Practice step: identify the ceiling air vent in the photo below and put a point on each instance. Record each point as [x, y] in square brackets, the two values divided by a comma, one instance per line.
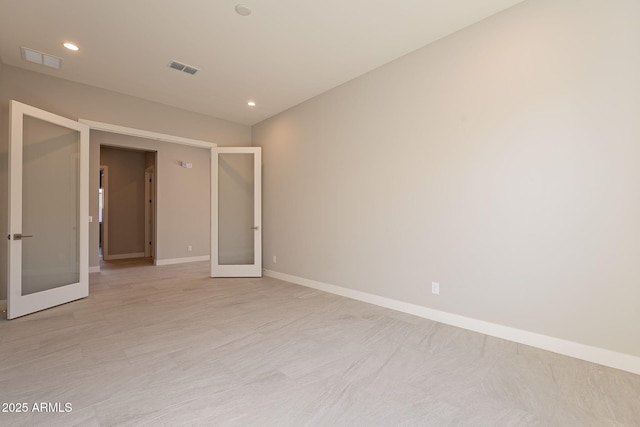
[41, 58]
[190, 70]
[183, 67]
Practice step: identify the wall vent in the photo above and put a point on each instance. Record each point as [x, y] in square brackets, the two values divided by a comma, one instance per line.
[41, 58]
[183, 67]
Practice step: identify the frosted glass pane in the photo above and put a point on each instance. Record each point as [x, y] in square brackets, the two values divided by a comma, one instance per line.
[50, 200]
[235, 209]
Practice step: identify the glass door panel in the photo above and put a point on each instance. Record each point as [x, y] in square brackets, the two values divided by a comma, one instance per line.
[235, 208]
[48, 210]
[236, 212]
[50, 199]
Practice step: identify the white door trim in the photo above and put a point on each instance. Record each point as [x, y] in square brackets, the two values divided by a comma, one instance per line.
[149, 211]
[123, 130]
[249, 270]
[18, 304]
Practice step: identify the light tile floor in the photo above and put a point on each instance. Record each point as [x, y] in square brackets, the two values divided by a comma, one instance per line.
[167, 346]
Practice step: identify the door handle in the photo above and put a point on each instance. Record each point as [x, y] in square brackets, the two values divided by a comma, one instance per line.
[19, 236]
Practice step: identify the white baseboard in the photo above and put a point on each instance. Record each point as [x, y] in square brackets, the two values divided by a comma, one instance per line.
[612, 359]
[181, 260]
[124, 256]
[95, 269]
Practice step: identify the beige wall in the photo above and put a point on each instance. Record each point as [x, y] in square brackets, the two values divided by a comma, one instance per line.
[501, 161]
[75, 101]
[126, 192]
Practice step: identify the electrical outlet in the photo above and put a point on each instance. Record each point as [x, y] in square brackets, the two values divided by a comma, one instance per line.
[435, 288]
[189, 248]
[274, 259]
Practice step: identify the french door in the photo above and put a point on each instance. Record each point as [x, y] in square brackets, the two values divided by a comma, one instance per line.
[48, 210]
[236, 213]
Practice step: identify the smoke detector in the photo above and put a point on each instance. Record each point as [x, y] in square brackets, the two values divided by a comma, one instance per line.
[183, 67]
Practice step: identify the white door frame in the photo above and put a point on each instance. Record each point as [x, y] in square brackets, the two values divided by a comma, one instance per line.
[254, 270]
[242, 270]
[123, 130]
[18, 304]
[149, 211]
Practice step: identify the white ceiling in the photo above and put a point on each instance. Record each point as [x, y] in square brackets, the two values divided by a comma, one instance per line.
[285, 52]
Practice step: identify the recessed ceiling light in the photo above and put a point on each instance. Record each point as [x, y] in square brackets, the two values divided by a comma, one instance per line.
[243, 10]
[70, 46]
[251, 103]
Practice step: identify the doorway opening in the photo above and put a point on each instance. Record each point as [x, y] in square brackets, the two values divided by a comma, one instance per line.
[102, 209]
[126, 203]
[149, 210]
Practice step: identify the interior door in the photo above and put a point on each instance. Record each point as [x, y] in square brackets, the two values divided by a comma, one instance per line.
[236, 212]
[48, 210]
